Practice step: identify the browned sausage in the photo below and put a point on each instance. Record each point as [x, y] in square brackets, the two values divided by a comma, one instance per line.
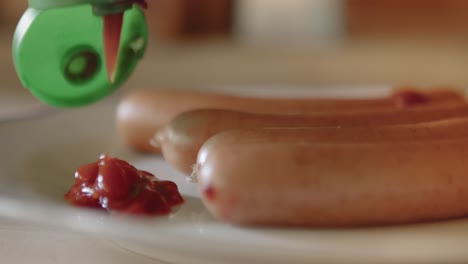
[142, 113]
[181, 139]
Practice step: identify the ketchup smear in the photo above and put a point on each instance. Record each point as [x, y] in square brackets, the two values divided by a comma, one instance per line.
[115, 185]
[408, 98]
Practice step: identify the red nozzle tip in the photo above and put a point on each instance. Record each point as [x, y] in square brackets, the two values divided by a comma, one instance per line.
[112, 32]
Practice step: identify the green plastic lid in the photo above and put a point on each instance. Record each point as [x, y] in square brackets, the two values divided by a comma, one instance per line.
[50, 4]
[59, 54]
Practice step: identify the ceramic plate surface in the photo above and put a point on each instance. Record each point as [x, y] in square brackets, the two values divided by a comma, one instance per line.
[38, 158]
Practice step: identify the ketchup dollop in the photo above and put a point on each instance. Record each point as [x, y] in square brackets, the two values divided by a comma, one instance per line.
[408, 98]
[115, 185]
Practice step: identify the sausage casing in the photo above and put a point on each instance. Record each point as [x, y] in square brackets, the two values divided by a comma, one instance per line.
[333, 184]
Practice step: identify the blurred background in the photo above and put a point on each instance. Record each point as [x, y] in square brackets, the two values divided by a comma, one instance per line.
[198, 43]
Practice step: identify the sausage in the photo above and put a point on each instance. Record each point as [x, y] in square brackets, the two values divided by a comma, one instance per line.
[142, 113]
[292, 182]
[452, 128]
[181, 139]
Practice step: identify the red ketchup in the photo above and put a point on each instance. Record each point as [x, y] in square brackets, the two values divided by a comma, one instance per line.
[115, 185]
[409, 98]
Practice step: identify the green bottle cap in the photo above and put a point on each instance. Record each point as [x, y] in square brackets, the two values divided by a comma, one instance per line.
[50, 4]
[59, 54]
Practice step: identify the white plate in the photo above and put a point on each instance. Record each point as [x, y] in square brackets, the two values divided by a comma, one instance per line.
[38, 158]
